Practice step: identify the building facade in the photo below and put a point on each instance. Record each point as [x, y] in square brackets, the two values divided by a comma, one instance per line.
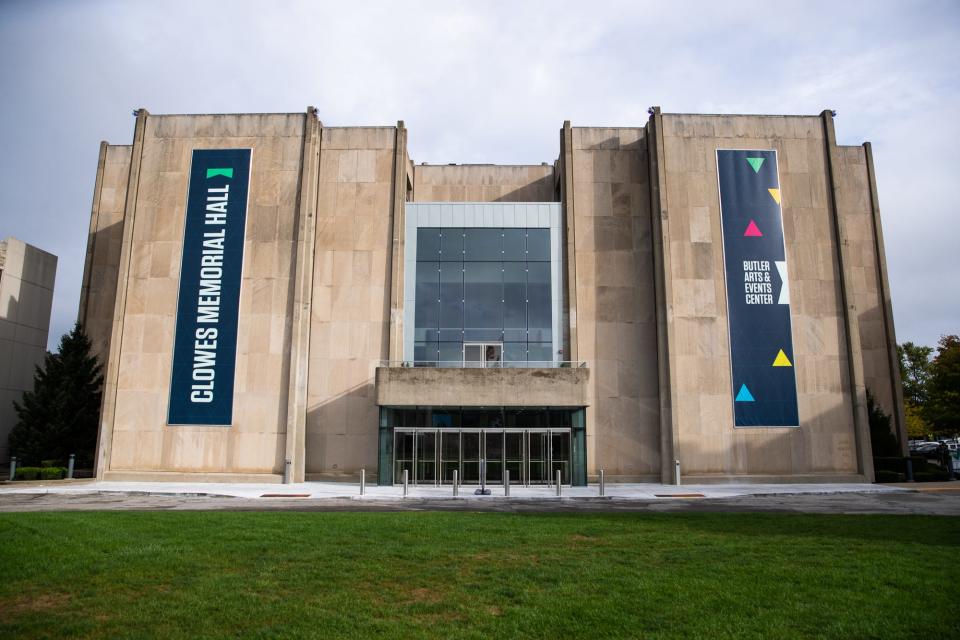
[275, 300]
[27, 277]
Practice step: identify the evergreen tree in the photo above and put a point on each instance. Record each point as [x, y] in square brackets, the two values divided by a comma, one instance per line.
[62, 413]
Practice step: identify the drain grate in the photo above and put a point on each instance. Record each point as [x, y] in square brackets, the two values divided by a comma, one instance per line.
[285, 495]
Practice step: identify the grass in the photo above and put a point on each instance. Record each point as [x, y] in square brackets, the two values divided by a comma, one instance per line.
[476, 575]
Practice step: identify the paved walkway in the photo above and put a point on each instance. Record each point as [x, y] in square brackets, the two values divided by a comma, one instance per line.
[329, 490]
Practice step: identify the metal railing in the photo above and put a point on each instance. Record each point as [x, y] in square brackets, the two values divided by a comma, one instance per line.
[460, 364]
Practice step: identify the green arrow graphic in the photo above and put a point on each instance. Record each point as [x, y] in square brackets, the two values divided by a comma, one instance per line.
[220, 172]
[756, 163]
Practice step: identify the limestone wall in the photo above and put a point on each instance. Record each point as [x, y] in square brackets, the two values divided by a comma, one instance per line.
[614, 306]
[99, 289]
[708, 443]
[350, 323]
[484, 183]
[135, 412]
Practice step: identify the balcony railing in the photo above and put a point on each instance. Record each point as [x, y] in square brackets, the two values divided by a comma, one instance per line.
[460, 364]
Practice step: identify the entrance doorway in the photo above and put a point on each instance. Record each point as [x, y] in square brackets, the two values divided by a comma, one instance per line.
[532, 456]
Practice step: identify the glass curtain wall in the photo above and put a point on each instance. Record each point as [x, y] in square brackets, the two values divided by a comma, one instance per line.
[483, 286]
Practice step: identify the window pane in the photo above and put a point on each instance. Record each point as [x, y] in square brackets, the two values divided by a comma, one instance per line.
[451, 295]
[451, 245]
[425, 352]
[482, 245]
[427, 306]
[514, 352]
[540, 352]
[482, 335]
[514, 295]
[483, 293]
[428, 243]
[446, 418]
[538, 244]
[451, 354]
[514, 244]
[539, 310]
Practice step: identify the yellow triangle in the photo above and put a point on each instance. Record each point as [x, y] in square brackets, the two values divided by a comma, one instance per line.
[782, 360]
[775, 193]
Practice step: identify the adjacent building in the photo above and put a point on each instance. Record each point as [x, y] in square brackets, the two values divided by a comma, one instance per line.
[27, 276]
[278, 300]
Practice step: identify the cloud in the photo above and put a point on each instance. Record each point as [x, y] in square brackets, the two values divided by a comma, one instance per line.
[488, 82]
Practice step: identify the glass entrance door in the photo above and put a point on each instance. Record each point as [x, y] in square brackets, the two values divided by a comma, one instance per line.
[533, 456]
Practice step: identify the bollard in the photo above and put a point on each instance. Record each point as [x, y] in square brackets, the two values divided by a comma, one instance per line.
[456, 489]
[13, 467]
[406, 482]
[676, 472]
[506, 482]
[603, 491]
[286, 471]
[363, 481]
[70, 465]
[558, 483]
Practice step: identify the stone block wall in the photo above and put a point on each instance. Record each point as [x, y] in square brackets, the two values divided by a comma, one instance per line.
[614, 307]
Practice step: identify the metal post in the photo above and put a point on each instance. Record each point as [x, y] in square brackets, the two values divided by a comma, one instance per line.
[603, 491]
[286, 471]
[13, 467]
[676, 472]
[456, 489]
[506, 482]
[363, 481]
[70, 465]
[406, 482]
[558, 483]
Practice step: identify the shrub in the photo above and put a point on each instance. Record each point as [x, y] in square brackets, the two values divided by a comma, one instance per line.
[889, 476]
[52, 473]
[49, 463]
[935, 474]
[27, 473]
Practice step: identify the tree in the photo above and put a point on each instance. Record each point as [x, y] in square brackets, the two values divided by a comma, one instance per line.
[914, 371]
[61, 415]
[884, 443]
[942, 408]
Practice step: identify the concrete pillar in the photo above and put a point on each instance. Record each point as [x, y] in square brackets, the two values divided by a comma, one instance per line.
[301, 301]
[663, 295]
[571, 351]
[109, 400]
[858, 392]
[398, 223]
[893, 358]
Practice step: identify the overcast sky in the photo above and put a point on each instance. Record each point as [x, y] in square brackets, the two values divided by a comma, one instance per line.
[489, 82]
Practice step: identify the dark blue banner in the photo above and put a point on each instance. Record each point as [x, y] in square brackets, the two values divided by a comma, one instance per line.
[205, 342]
[758, 290]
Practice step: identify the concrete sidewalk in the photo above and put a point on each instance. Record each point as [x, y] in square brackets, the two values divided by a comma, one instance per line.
[343, 490]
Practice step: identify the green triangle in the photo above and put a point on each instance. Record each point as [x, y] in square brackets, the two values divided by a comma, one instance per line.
[756, 163]
[228, 172]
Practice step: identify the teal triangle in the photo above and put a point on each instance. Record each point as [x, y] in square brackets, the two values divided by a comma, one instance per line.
[756, 163]
[744, 394]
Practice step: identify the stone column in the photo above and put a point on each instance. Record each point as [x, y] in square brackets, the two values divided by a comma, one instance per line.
[111, 370]
[858, 392]
[663, 296]
[301, 303]
[893, 358]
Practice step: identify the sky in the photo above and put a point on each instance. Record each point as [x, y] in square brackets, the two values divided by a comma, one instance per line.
[489, 82]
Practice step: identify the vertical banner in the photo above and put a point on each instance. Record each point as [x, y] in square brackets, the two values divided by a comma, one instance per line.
[758, 290]
[205, 342]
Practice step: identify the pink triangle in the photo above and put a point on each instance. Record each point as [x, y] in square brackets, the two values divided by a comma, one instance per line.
[752, 230]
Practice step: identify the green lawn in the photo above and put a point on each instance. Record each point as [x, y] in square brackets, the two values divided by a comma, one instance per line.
[432, 575]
